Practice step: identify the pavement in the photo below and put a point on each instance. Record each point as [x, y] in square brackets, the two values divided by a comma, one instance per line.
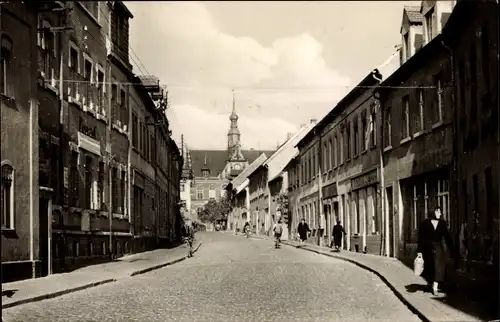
[232, 279]
[32, 290]
[410, 289]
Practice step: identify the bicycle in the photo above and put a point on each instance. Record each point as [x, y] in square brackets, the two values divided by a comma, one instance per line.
[189, 242]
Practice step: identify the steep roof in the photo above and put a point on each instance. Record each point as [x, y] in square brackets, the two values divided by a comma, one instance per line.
[277, 162]
[216, 159]
[248, 170]
[414, 15]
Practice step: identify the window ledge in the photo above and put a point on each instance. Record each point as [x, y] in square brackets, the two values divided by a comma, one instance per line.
[388, 148]
[438, 124]
[7, 97]
[364, 151]
[417, 134]
[405, 140]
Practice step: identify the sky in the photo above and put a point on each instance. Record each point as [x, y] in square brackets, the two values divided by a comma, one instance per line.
[288, 62]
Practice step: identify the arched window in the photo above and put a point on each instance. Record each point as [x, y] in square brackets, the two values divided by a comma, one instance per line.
[6, 68]
[7, 196]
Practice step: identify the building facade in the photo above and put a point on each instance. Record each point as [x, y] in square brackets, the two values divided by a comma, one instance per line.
[22, 227]
[84, 153]
[472, 36]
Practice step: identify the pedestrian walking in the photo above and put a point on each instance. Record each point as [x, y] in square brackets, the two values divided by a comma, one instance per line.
[303, 229]
[337, 232]
[431, 247]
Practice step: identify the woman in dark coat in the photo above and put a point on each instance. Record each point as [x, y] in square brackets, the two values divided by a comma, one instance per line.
[432, 235]
[303, 229]
[337, 232]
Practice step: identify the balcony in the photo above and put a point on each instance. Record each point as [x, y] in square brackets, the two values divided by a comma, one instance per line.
[88, 91]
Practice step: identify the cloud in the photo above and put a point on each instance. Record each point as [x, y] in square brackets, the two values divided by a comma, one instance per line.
[183, 46]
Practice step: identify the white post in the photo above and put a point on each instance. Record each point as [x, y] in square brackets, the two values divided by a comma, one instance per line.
[49, 230]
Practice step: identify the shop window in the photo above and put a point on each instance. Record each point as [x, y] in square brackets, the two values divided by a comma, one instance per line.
[6, 67]
[7, 196]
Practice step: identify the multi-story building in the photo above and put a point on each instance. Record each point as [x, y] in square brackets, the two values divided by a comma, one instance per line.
[23, 231]
[239, 193]
[471, 34]
[213, 169]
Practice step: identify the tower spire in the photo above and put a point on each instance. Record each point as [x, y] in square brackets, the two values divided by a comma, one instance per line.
[205, 163]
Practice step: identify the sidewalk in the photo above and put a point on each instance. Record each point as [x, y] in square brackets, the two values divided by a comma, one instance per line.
[38, 289]
[400, 279]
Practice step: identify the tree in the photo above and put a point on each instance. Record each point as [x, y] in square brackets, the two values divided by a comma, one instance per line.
[215, 210]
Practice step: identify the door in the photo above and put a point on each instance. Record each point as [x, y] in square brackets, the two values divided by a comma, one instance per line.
[44, 236]
[390, 212]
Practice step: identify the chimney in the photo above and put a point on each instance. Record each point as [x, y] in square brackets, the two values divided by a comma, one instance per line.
[313, 121]
[289, 135]
[302, 125]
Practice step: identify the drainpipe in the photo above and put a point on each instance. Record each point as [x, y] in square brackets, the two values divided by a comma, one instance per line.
[384, 238]
[320, 195]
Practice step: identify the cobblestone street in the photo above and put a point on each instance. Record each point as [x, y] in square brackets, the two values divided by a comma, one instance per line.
[232, 279]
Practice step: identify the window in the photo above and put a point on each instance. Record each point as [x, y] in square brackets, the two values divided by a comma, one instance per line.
[330, 152]
[74, 69]
[123, 107]
[100, 185]
[135, 131]
[211, 192]
[92, 7]
[414, 218]
[325, 157]
[419, 119]
[101, 90]
[335, 151]
[473, 83]
[485, 52]
[205, 172]
[199, 194]
[76, 248]
[437, 113]
[405, 131]
[348, 141]
[406, 44]
[341, 148]
[444, 197]
[6, 68]
[182, 187]
[88, 78]
[356, 136]
[387, 127]
[372, 128]
[429, 24]
[364, 132]
[7, 196]
[46, 43]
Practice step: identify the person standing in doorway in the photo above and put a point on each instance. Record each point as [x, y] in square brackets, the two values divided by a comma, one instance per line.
[303, 230]
[431, 247]
[337, 232]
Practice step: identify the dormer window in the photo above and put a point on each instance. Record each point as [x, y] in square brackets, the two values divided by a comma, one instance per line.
[406, 46]
[205, 172]
[429, 24]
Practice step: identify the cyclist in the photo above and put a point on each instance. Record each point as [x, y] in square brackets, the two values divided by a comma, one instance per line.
[278, 230]
[247, 229]
[188, 237]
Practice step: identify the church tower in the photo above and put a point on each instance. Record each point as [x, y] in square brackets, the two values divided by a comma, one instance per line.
[234, 136]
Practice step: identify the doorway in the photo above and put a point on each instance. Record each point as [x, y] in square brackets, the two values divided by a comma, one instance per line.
[45, 225]
[390, 216]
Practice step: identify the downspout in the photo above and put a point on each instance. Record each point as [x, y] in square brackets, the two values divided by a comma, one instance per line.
[383, 232]
[320, 195]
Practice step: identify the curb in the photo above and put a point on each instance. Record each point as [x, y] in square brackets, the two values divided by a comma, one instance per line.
[398, 294]
[149, 269]
[94, 284]
[57, 294]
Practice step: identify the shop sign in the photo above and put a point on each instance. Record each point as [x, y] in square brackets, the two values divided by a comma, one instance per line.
[364, 180]
[330, 191]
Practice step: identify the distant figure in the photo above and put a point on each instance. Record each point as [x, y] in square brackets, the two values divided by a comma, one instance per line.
[431, 247]
[303, 229]
[337, 232]
[278, 230]
[188, 236]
